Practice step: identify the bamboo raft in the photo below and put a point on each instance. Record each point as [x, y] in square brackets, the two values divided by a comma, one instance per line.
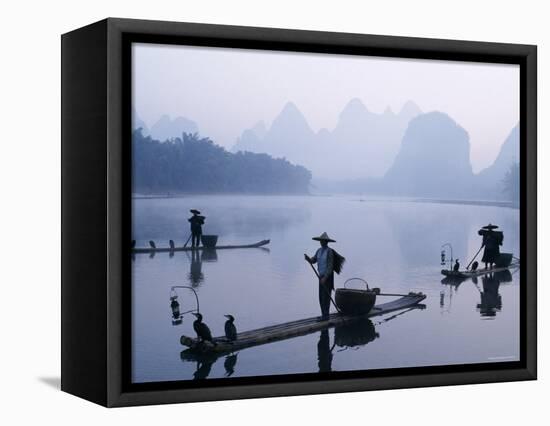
[477, 272]
[291, 329]
[171, 250]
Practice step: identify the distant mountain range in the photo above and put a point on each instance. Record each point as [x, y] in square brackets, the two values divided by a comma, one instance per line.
[490, 179]
[166, 127]
[371, 139]
[434, 159]
[408, 153]
[434, 162]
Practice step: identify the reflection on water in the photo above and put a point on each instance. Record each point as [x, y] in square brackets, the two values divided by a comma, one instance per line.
[394, 245]
[491, 299]
[357, 333]
[196, 258]
[204, 362]
[229, 364]
[195, 268]
[324, 352]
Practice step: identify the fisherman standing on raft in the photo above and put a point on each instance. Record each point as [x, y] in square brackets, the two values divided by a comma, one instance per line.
[196, 227]
[328, 261]
[492, 240]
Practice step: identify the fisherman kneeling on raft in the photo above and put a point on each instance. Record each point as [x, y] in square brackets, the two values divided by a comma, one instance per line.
[328, 261]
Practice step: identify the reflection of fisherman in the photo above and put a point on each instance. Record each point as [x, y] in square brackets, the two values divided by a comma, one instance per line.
[195, 273]
[492, 240]
[324, 352]
[491, 301]
[196, 227]
[327, 261]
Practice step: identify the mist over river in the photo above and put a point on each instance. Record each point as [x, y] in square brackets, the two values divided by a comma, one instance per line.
[394, 244]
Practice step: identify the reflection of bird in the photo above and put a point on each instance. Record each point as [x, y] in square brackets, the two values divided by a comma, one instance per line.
[230, 329]
[457, 266]
[229, 364]
[203, 369]
[133, 243]
[172, 245]
[202, 330]
[152, 244]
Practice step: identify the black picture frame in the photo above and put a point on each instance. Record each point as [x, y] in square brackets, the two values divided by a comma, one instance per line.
[96, 211]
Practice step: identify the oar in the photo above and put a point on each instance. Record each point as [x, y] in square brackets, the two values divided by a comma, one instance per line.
[471, 261]
[187, 242]
[329, 295]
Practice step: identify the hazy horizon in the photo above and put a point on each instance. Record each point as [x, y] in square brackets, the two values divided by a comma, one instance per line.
[226, 91]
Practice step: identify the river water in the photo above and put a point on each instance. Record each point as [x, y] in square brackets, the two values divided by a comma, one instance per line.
[393, 244]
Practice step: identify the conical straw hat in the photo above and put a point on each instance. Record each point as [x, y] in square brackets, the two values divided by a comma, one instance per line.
[324, 237]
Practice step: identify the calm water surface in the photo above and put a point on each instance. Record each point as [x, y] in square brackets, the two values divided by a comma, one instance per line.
[394, 245]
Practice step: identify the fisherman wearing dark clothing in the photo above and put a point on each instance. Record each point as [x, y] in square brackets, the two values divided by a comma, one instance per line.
[196, 222]
[325, 258]
[492, 240]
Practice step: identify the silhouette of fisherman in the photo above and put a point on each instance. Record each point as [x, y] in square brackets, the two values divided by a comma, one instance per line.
[492, 240]
[196, 222]
[328, 261]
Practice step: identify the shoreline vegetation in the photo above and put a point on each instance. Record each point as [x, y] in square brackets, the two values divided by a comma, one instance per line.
[191, 164]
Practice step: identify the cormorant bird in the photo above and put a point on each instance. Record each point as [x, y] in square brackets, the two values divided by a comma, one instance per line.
[133, 243]
[172, 245]
[230, 329]
[475, 265]
[457, 266]
[202, 330]
[152, 244]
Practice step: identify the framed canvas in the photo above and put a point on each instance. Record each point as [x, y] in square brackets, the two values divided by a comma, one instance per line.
[254, 212]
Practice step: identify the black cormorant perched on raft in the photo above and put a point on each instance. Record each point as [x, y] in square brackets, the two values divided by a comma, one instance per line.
[152, 244]
[202, 330]
[230, 329]
[457, 266]
[172, 245]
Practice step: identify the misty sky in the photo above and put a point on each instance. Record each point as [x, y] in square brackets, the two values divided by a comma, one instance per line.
[226, 91]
